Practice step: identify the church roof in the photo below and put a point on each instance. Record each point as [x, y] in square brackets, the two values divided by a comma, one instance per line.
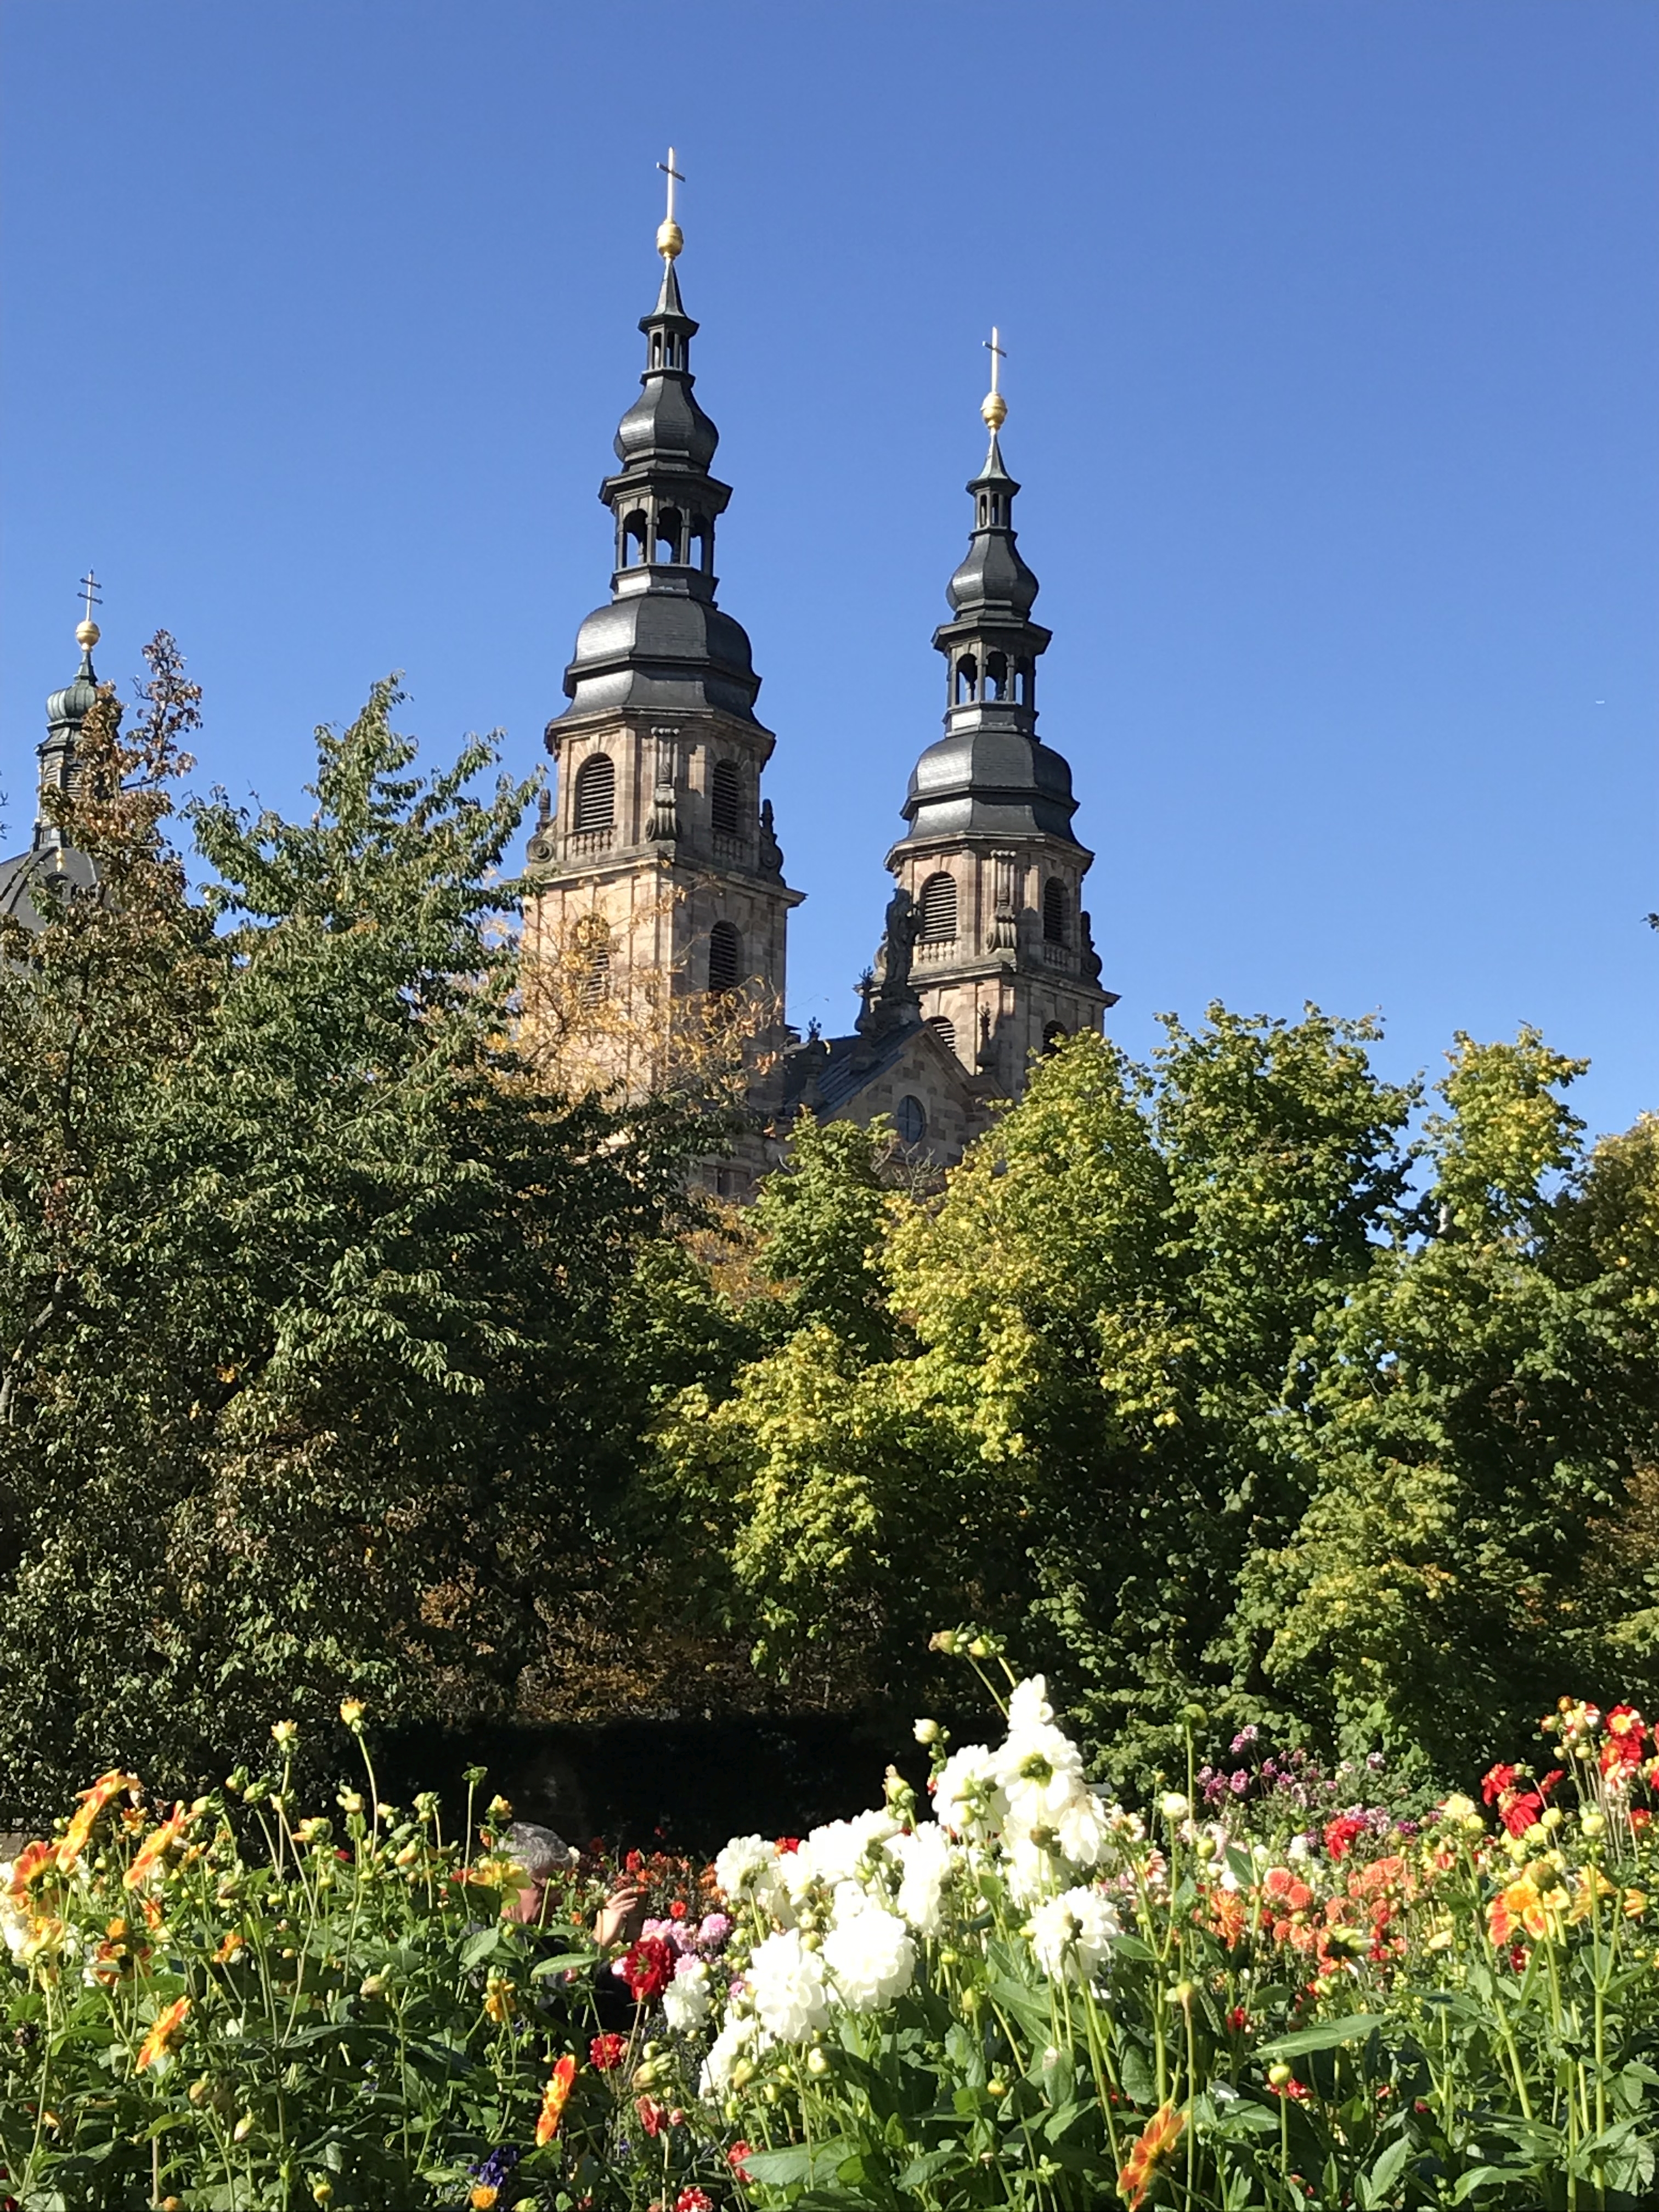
[661, 644]
[827, 1074]
[48, 857]
[990, 774]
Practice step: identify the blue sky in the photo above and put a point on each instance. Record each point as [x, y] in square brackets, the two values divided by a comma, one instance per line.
[1332, 338]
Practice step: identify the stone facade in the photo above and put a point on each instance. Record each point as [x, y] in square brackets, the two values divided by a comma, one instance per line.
[660, 869]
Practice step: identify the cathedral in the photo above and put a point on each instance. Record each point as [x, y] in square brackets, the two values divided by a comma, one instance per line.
[661, 864]
[659, 874]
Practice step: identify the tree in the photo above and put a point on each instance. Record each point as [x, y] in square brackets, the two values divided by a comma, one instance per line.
[1191, 1390]
[309, 1331]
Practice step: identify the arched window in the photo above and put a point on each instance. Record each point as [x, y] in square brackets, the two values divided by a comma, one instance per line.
[703, 541]
[594, 940]
[1056, 909]
[634, 539]
[996, 676]
[1024, 683]
[725, 799]
[910, 1119]
[725, 958]
[1054, 1036]
[944, 1029]
[594, 800]
[670, 528]
[966, 679]
[938, 910]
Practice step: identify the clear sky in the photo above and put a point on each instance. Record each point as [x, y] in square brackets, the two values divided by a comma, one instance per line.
[1332, 341]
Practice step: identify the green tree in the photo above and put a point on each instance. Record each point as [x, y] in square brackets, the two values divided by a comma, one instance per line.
[1478, 1408]
[1193, 1391]
[310, 1337]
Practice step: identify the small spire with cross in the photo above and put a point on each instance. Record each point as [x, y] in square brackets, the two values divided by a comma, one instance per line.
[994, 408]
[87, 632]
[669, 237]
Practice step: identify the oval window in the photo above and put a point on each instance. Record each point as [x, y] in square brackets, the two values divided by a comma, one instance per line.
[911, 1119]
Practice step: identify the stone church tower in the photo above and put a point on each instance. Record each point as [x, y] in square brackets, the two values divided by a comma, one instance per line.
[659, 867]
[988, 955]
[1003, 960]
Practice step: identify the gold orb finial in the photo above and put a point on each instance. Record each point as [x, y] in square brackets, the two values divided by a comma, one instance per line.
[669, 237]
[87, 632]
[993, 407]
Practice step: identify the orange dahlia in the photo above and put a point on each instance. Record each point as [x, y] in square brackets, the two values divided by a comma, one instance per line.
[1157, 2140]
[554, 2098]
[159, 2041]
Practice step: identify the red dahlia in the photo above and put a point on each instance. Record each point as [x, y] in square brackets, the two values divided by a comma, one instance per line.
[647, 1969]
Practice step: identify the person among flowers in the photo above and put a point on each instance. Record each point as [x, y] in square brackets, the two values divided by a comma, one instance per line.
[539, 1855]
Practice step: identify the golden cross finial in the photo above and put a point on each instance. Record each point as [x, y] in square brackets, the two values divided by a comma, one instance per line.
[994, 407]
[87, 632]
[669, 237]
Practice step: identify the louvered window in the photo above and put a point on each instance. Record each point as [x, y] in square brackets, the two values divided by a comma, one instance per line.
[725, 799]
[1056, 908]
[944, 1029]
[938, 910]
[725, 958]
[596, 973]
[595, 803]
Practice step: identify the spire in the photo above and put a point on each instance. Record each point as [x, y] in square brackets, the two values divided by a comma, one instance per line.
[662, 642]
[65, 712]
[990, 774]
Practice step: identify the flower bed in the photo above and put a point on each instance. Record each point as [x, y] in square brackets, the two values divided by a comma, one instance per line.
[1021, 1994]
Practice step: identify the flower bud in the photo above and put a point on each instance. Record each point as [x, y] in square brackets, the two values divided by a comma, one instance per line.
[817, 2061]
[1173, 1806]
[1183, 1993]
[285, 1732]
[351, 1712]
[1553, 1819]
[945, 1640]
[978, 1649]
[1592, 1822]
[926, 1731]
[1279, 2075]
[997, 2089]
[243, 2128]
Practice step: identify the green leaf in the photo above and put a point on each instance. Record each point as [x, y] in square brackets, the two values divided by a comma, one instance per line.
[476, 1948]
[782, 2169]
[1325, 2035]
[1387, 2170]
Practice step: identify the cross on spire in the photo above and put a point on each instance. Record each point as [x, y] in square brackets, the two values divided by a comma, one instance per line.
[674, 178]
[94, 596]
[993, 407]
[999, 355]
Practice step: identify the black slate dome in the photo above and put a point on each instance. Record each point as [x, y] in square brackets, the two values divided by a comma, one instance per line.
[661, 644]
[662, 651]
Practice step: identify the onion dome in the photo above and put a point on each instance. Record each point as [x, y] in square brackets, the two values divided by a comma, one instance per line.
[990, 774]
[661, 644]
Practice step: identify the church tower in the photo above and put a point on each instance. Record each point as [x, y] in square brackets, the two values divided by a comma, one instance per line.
[1003, 960]
[660, 868]
[50, 866]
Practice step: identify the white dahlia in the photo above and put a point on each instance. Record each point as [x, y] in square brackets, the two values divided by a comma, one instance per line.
[868, 1952]
[1072, 1934]
[786, 1981]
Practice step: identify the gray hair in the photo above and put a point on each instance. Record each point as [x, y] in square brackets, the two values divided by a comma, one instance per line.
[540, 1851]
